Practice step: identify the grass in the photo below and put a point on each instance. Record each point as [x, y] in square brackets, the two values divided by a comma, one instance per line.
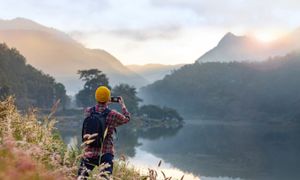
[31, 148]
[25, 139]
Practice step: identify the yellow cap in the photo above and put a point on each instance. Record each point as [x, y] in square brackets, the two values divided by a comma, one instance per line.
[102, 94]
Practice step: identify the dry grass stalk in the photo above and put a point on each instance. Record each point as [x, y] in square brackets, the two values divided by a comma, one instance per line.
[31, 149]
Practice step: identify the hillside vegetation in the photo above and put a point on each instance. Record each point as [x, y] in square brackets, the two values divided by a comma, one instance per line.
[153, 72]
[31, 148]
[30, 86]
[236, 90]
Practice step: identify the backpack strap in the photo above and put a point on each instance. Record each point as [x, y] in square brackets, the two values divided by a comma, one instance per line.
[106, 112]
[93, 109]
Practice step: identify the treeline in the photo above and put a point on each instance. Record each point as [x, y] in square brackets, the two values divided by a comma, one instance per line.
[235, 90]
[33, 88]
[93, 78]
[156, 112]
[30, 86]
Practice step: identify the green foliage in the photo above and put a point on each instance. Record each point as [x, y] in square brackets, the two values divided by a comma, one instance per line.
[156, 112]
[30, 86]
[152, 111]
[170, 113]
[4, 91]
[93, 78]
[129, 95]
[60, 93]
[233, 90]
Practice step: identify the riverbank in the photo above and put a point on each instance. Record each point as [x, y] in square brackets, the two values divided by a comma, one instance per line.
[31, 149]
[73, 118]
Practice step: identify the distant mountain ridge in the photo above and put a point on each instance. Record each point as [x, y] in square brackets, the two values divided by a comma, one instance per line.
[25, 24]
[56, 53]
[244, 48]
[261, 82]
[257, 91]
[153, 72]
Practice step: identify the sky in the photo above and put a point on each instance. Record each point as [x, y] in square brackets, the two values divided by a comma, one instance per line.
[158, 31]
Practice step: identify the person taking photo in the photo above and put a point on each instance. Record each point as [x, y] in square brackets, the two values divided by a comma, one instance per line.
[97, 132]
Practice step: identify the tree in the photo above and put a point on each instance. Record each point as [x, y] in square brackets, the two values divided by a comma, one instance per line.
[30, 86]
[4, 91]
[93, 78]
[156, 112]
[60, 93]
[232, 91]
[151, 111]
[129, 95]
[170, 113]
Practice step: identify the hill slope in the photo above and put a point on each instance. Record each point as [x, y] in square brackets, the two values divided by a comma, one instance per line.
[244, 48]
[153, 72]
[237, 90]
[55, 53]
[30, 86]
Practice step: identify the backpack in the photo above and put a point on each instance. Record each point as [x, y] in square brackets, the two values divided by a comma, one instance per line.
[95, 123]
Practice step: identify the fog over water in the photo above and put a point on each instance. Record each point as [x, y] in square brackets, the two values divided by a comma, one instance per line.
[213, 149]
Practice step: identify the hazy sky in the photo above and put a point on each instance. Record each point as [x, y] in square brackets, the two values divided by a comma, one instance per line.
[158, 31]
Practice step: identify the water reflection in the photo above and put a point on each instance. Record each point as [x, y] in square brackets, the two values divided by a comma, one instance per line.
[126, 137]
[213, 149]
[251, 151]
[126, 140]
[158, 132]
[144, 160]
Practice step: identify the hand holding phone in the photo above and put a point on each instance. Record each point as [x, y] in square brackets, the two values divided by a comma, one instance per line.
[115, 99]
[121, 101]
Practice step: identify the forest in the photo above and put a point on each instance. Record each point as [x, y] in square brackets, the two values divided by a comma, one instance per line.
[31, 87]
[232, 91]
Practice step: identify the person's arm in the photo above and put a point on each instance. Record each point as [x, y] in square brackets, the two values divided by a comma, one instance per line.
[124, 109]
[123, 118]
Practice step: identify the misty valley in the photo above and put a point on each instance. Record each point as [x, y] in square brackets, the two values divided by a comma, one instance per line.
[233, 114]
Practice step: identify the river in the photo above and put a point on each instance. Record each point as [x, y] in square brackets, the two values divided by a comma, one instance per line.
[211, 150]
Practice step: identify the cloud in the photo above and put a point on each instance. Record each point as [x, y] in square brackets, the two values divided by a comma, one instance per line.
[185, 47]
[142, 15]
[61, 14]
[250, 14]
[143, 35]
[144, 19]
[92, 15]
[164, 33]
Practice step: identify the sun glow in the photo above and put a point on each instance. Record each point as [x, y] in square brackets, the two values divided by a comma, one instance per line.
[269, 36]
[266, 37]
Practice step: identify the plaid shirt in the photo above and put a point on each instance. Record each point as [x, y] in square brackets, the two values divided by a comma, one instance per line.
[113, 120]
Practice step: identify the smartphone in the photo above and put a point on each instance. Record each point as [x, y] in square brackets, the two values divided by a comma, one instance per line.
[115, 98]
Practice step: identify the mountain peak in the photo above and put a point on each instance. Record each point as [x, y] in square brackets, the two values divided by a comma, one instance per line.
[21, 23]
[228, 38]
[45, 48]
[21, 19]
[229, 34]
